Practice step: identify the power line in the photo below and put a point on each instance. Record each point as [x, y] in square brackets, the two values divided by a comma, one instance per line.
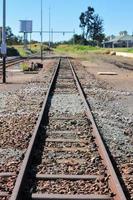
[54, 32]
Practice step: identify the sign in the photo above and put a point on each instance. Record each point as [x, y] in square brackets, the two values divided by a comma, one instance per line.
[3, 49]
[26, 26]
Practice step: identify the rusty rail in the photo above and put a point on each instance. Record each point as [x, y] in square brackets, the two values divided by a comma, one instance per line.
[26, 161]
[12, 62]
[113, 180]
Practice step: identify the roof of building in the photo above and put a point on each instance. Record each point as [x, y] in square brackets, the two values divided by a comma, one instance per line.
[121, 38]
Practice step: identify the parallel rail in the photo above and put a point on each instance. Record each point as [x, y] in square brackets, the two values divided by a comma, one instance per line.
[11, 62]
[114, 184]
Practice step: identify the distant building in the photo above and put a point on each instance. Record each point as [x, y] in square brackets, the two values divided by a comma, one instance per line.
[123, 40]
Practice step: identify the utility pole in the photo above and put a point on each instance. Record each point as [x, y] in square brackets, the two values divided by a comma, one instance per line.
[49, 27]
[30, 41]
[3, 46]
[41, 30]
[73, 36]
[52, 36]
[25, 40]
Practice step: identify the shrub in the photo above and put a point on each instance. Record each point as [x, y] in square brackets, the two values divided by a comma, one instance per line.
[106, 51]
[11, 51]
[24, 66]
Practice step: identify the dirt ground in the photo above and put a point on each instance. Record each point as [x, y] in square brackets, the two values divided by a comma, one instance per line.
[15, 78]
[123, 81]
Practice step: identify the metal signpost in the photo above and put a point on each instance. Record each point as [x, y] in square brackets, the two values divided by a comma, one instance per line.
[3, 45]
[41, 30]
[49, 27]
[0, 35]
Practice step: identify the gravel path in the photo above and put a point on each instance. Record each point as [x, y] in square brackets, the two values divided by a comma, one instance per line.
[67, 119]
[66, 103]
[114, 117]
[19, 110]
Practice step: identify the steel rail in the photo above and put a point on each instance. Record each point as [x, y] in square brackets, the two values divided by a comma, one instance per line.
[69, 197]
[12, 62]
[11, 59]
[67, 177]
[26, 162]
[113, 179]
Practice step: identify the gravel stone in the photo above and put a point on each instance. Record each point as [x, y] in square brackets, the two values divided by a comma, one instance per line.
[114, 120]
[67, 103]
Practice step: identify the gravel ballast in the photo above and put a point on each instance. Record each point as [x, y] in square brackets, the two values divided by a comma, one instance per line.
[19, 111]
[114, 116]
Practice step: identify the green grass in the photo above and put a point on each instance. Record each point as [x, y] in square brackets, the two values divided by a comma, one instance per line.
[24, 66]
[127, 50]
[34, 49]
[76, 49]
[72, 50]
[21, 51]
[81, 51]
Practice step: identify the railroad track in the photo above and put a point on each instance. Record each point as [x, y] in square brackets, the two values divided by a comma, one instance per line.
[66, 158]
[10, 63]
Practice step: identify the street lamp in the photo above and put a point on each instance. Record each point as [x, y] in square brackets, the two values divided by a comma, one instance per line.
[41, 30]
[3, 46]
[49, 27]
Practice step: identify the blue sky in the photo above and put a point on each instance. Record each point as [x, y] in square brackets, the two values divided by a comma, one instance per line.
[117, 15]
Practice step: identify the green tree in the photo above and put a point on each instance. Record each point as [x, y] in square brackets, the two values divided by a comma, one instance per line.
[97, 29]
[83, 23]
[86, 20]
[123, 33]
[89, 21]
[9, 35]
[92, 25]
[78, 39]
[11, 38]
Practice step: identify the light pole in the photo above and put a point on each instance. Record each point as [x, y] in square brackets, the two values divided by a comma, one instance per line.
[73, 36]
[49, 27]
[3, 46]
[41, 32]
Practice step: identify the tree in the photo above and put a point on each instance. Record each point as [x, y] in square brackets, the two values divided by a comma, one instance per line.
[79, 39]
[82, 23]
[92, 25]
[96, 32]
[123, 33]
[9, 35]
[89, 21]
[12, 39]
[86, 19]
[33, 41]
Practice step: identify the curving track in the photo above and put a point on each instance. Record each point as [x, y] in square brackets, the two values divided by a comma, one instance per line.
[66, 158]
[12, 61]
